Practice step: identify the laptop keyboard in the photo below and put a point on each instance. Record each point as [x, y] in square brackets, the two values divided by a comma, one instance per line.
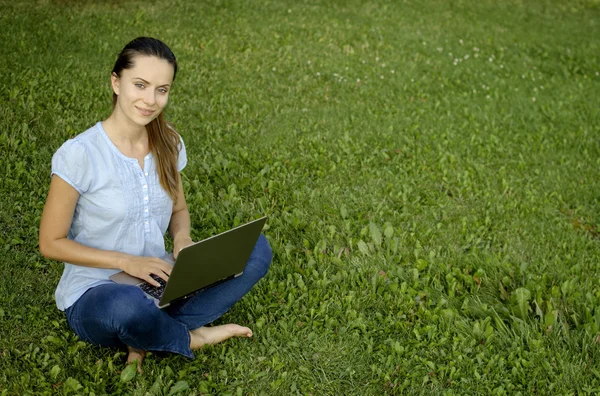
[154, 291]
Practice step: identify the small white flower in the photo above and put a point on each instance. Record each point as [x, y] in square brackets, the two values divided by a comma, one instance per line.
[335, 74]
[475, 49]
[522, 75]
[358, 80]
[533, 99]
[501, 66]
[460, 41]
[474, 91]
[393, 71]
[377, 59]
[534, 89]
[364, 62]
[383, 65]
[491, 59]
[346, 67]
[516, 89]
[308, 62]
[541, 87]
[488, 97]
[381, 77]
[318, 74]
[466, 56]
[274, 69]
[440, 49]
[598, 74]
[412, 80]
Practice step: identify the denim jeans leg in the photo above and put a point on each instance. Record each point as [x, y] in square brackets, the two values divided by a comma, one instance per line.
[112, 315]
[207, 306]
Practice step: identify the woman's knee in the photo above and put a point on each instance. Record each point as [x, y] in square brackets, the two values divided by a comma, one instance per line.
[105, 312]
[262, 255]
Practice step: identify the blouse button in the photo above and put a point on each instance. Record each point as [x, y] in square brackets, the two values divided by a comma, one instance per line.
[146, 173]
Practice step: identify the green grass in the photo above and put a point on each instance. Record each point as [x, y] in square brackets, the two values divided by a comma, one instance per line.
[429, 168]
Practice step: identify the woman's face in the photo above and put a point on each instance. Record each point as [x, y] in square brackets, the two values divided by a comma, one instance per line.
[143, 90]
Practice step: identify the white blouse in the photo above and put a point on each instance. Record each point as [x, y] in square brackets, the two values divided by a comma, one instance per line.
[121, 206]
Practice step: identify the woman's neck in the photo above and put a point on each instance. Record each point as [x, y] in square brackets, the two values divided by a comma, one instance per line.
[125, 131]
[131, 141]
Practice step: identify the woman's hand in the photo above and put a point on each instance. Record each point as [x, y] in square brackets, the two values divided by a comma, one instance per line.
[179, 243]
[142, 267]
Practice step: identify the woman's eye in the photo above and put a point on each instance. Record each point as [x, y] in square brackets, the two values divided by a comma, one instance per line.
[139, 85]
[163, 91]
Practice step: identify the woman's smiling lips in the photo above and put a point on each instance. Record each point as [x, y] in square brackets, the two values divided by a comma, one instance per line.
[145, 112]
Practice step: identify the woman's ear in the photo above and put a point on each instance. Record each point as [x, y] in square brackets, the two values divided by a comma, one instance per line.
[114, 82]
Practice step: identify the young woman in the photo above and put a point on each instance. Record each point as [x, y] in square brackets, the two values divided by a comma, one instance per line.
[114, 191]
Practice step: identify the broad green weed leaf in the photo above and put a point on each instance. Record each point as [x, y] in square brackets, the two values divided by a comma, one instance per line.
[388, 232]
[375, 233]
[550, 318]
[178, 387]
[520, 302]
[71, 385]
[362, 246]
[54, 371]
[129, 372]
[421, 264]
[54, 340]
[157, 386]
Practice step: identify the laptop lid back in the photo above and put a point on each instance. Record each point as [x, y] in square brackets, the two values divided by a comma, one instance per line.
[212, 260]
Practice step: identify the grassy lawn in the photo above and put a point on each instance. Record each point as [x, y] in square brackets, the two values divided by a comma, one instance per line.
[429, 168]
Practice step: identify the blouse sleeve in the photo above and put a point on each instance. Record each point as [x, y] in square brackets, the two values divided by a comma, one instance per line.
[182, 159]
[72, 163]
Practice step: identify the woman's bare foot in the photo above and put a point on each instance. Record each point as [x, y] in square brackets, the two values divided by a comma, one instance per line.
[136, 354]
[215, 334]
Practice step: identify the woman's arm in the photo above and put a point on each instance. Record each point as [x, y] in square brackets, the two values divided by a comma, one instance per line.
[180, 225]
[54, 244]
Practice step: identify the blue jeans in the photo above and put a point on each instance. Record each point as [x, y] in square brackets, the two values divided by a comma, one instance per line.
[114, 315]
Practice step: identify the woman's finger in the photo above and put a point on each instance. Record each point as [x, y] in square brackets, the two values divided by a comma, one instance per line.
[148, 278]
[163, 275]
[164, 266]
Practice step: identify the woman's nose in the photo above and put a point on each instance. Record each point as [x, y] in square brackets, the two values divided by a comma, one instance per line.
[150, 97]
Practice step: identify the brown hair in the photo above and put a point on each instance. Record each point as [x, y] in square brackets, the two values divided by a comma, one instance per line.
[163, 140]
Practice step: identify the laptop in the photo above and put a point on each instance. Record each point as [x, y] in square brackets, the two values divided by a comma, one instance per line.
[201, 265]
